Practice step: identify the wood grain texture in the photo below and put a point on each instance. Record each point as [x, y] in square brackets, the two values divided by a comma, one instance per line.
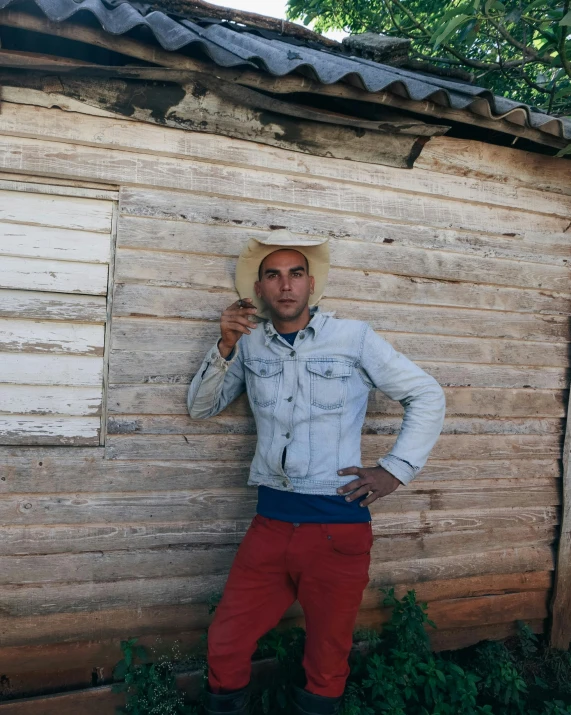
[92, 596]
[169, 399]
[80, 162]
[52, 306]
[53, 243]
[58, 211]
[28, 470]
[38, 274]
[48, 337]
[510, 166]
[239, 503]
[224, 235]
[40, 369]
[233, 447]
[50, 400]
[73, 431]
[117, 134]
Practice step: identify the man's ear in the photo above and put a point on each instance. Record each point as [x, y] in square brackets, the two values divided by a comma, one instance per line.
[311, 285]
[257, 289]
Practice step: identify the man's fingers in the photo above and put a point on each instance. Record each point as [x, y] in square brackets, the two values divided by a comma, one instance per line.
[239, 328]
[359, 493]
[349, 470]
[371, 498]
[355, 484]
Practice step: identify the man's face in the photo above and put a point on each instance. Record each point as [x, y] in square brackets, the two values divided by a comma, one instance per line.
[285, 285]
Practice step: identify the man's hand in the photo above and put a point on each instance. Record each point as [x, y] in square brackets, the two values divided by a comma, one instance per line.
[374, 479]
[234, 323]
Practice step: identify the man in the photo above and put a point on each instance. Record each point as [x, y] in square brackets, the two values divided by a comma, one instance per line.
[307, 376]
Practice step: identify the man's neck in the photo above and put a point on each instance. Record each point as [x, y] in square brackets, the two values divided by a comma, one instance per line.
[292, 326]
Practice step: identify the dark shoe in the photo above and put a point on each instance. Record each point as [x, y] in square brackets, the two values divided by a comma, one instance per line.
[236, 703]
[309, 704]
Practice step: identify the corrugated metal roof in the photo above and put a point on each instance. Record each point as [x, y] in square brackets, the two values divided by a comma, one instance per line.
[231, 46]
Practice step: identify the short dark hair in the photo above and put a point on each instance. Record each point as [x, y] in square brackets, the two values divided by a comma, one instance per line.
[282, 249]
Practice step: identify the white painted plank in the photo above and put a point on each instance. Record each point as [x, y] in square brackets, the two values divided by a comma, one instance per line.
[58, 211]
[17, 239]
[28, 369]
[43, 337]
[52, 306]
[58, 276]
[60, 187]
[22, 429]
[50, 400]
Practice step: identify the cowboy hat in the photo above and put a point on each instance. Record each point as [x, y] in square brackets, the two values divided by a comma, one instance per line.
[315, 250]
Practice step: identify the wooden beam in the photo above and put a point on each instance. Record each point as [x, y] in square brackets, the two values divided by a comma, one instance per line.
[281, 85]
[560, 636]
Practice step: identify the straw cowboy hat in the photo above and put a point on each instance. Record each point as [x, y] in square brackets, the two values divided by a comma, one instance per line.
[315, 250]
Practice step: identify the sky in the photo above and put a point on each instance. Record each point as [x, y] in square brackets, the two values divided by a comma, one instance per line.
[273, 8]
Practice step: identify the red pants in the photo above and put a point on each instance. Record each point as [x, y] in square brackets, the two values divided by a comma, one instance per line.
[324, 566]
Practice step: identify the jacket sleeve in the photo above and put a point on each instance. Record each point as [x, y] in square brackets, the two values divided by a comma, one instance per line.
[217, 383]
[420, 395]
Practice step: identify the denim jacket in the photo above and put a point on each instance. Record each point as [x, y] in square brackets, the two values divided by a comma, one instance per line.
[310, 400]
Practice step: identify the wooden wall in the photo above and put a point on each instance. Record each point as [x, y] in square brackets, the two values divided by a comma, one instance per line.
[461, 263]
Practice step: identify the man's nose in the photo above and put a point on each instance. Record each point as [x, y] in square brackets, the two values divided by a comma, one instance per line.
[285, 283]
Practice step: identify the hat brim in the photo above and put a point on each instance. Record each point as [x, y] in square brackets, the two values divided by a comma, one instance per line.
[255, 251]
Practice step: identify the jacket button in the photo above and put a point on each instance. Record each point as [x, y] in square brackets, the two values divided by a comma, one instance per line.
[289, 399]
[287, 435]
[302, 335]
[328, 373]
[284, 483]
[262, 372]
[292, 354]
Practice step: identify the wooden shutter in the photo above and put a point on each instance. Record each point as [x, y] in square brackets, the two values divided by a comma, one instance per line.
[55, 253]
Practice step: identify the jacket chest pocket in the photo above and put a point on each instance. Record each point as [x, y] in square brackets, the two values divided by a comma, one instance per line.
[263, 380]
[329, 383]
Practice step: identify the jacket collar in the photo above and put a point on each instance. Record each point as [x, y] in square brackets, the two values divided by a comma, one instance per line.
[316, 323]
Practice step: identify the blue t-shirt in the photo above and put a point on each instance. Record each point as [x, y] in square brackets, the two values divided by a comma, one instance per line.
[309, 508]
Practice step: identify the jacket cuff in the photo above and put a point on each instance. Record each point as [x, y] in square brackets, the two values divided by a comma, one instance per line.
[400, 469]
[215, 358]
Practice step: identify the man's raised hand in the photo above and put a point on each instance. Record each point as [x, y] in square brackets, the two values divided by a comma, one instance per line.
[375, 480]
[234, 323]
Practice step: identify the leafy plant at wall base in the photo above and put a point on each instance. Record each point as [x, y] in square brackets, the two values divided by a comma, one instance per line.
[149, 687]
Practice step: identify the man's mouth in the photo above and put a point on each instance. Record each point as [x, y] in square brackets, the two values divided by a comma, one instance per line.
[286, 300]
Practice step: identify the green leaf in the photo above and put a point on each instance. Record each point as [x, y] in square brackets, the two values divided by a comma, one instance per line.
[120, 670]
[454, 24]
[565, 92]
[118, 688]
[566, 20]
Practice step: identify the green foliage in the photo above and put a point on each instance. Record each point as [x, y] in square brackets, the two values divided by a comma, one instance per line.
[515, 48]
[393, 672]
[149, 687]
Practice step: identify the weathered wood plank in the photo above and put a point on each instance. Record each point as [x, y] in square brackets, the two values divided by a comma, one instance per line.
[23, 429]
[185, 335]
[179, 367]
[188, 560]
[29, 470]
[198, 269]
[171, 400]
[54, 628]
[52, 306]
[233, 503]
[57, 211]
[40, 274]
[49, 337]
[234, 447]
[14, 181]
[137, 301]
[91, 163]
[526, 523]
[510, 166]
[134, 299]
[50, 400]
[93, 596]
[209, 229]
[38, 369]
[458, 638]
[560, 634]
[124, 134]
[53, 243]
[373, 424]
